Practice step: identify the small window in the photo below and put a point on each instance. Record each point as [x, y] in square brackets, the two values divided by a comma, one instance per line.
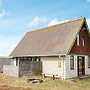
[72, 62]
[38, 59]
[29, 58]
[89, 62]
[78, 40]
[34, 58]
[83, 41]
[21, 58]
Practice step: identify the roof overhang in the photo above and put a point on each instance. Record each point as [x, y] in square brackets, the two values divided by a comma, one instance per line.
[60, 55]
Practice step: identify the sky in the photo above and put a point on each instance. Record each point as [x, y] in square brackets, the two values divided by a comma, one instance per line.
[20, 16]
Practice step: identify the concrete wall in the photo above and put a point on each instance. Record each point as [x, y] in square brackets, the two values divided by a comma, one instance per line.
[51, 66]
[4, 61]
[11, 70]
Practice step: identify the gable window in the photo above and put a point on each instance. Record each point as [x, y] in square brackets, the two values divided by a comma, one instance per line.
[72, 62]
[88, 61]
[83, 41]
[78, 40]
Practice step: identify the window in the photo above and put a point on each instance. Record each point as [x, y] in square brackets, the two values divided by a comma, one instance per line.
[83, 41]
[29, 58]
[89, 62]
[34, 58]
[38, 59]
[78, 40]
[72, 62]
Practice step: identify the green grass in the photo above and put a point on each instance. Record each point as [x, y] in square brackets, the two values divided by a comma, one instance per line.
[48, 83]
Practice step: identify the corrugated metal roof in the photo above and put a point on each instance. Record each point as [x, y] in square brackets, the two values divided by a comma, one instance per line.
[50, 41]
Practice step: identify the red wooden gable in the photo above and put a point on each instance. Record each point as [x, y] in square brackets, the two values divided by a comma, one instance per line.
[80, 49]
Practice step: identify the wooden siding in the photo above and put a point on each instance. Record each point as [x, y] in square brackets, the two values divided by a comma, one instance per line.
[68, 72]
[82, 49]
[50, 66]
[87, 70]
[74, 73]
[27, 68]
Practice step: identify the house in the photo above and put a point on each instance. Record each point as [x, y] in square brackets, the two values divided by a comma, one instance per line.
[63, 50]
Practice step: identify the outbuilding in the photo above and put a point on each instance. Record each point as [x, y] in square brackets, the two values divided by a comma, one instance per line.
[62, 50]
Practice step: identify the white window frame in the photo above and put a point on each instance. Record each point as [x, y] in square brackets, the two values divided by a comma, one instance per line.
[78, 40]
[83, 41]
[71, 62]
[88, 61]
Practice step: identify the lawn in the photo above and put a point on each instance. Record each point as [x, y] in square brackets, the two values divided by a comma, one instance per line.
[48, 83]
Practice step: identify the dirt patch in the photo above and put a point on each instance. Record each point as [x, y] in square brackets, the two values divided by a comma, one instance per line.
[5, 87]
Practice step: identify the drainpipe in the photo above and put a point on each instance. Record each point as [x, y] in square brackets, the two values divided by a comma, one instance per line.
[63, 56]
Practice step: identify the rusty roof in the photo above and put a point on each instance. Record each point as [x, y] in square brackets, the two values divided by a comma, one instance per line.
[49, 41]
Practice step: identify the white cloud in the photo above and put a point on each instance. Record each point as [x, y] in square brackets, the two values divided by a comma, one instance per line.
[88, 22]
[7, 44]
[4, 13]
[37, 20]
[56, 21]
[88, 0]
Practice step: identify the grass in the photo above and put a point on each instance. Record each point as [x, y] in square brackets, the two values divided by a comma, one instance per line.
[48, 83]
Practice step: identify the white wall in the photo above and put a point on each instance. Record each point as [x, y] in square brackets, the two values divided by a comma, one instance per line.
[68, 72]
[87, 70]
[50, 66]
[73, 73]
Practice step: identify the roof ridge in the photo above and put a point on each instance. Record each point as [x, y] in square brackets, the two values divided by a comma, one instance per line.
[57, 24]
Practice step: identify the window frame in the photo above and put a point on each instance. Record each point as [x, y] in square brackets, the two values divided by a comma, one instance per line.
[83, 41]
[88, 61]
[71, 62]
[78, 40]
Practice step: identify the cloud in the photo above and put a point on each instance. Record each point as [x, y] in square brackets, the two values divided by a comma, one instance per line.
[37, 20]
[88, 22]
[88, 1]
[56, 21]
[4, 13]
[42, 21]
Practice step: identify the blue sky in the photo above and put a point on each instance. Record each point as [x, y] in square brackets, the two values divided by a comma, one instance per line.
[20, 16]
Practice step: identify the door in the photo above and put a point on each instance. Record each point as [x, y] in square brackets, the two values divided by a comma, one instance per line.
[81, 65]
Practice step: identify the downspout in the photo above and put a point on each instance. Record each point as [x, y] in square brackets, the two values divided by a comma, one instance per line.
[18, 64]
[63, 56]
